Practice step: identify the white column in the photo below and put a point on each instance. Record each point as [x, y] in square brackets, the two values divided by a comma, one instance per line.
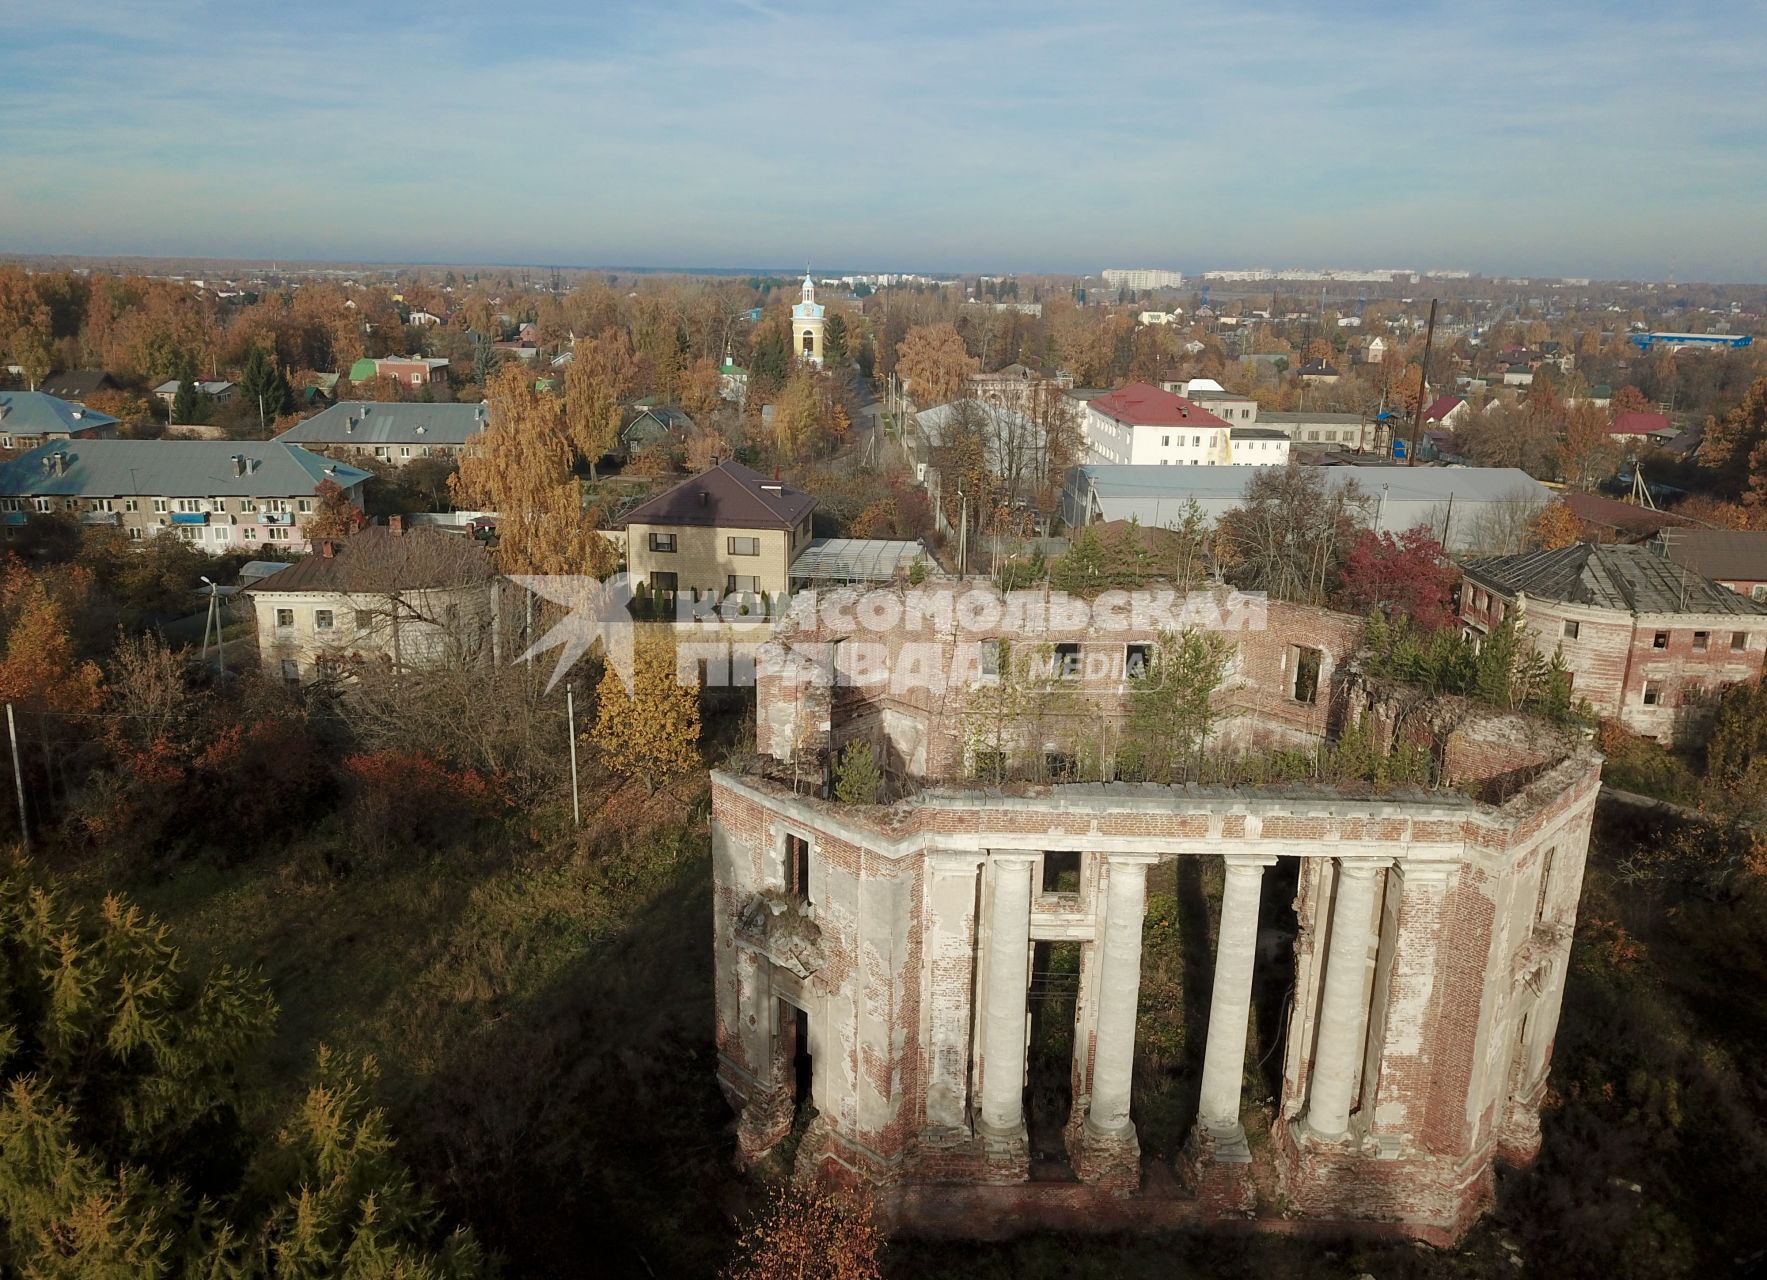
[950, 945]
[1230, 1007]
[1337, 1053]
[1119, 992]
[1003, 1016]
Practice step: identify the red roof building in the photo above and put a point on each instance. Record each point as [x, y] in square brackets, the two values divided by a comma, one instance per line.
[1641, 424]
[1444, 409]
[1142, 425]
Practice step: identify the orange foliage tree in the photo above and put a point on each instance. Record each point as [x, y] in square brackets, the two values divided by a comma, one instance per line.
[1556, 526]
[40, 671]
[935, 363]
[334, 516]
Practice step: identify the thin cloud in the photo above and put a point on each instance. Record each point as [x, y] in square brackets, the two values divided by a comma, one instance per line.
[1583, 138]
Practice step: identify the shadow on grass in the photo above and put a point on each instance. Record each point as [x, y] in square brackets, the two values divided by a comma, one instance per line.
[581, 1131]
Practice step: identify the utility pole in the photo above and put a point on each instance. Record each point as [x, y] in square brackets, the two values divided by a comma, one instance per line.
[18, 780]
[1423, 382]
[570, 710]
[963, 533]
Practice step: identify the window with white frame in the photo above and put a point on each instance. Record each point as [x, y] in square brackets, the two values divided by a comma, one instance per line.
[248, 504]
[277, 533]
[305, 506]
[12, 504]
[44, 505]
[192, 505]
[135, 533]
[159, 504]
[322, 619]
[131, 504]
[251, 533]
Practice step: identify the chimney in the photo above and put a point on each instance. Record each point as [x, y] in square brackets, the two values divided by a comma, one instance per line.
[327, 548]
[239, 464]
[350, 425]
[396, 526]
[60, 463]
[704, 497]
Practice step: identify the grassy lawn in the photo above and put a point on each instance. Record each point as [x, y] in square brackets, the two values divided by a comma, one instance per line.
[542, 1023]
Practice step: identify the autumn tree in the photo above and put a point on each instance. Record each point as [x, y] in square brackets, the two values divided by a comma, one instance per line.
[1735, 448]
[596, 386]
[1556, 526]
[40, 671]
[702, 389]
[1587, 455]
[30, 352]
[520, 467]
[797, 417]
[1408, 574]
[334, 514]
[1628, 399]
[650, 730]
[809, 1233]
[935, 364]
[1290, 533]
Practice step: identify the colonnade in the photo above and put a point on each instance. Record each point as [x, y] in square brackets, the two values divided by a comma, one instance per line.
[1341, 1023]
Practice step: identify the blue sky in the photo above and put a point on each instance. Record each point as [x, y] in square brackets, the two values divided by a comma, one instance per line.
[1580, 138]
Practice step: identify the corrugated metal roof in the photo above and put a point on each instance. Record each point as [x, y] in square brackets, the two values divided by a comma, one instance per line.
[172, 469]
[32, 413]
[1405, 484]
[398, 422]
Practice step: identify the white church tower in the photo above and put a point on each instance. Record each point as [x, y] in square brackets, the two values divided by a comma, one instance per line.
[807, 324]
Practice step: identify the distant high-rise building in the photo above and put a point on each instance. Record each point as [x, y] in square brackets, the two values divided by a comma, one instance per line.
[1142, 278]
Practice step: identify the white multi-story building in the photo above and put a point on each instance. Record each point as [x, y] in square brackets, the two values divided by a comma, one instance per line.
[1142, 425]
[1142, 278]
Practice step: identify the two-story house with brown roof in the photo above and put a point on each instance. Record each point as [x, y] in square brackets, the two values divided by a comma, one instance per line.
[729, 530]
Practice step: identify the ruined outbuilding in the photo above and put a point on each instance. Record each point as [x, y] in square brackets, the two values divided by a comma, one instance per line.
[875, 961]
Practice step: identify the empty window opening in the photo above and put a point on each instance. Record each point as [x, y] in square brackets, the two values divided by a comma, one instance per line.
[1067, 662]
[1660, 640]
[797, 866]
[1307, 662]
[1571, 629]
[1700, 640]
[1739, 640]
[1137, 659]
[1049, 1102]
[1653, 693]
[1061, 871]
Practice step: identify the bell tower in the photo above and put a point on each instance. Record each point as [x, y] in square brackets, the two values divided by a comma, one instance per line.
[808, 321]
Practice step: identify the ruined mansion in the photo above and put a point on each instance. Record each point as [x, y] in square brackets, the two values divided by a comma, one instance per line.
[940, 996]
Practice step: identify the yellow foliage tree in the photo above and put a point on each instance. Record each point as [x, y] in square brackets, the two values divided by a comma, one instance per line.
[521, 468]
[797, 417]
[652, 729]
[40, 672]
[1556, 526]
[935, 363]
[596, 384]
